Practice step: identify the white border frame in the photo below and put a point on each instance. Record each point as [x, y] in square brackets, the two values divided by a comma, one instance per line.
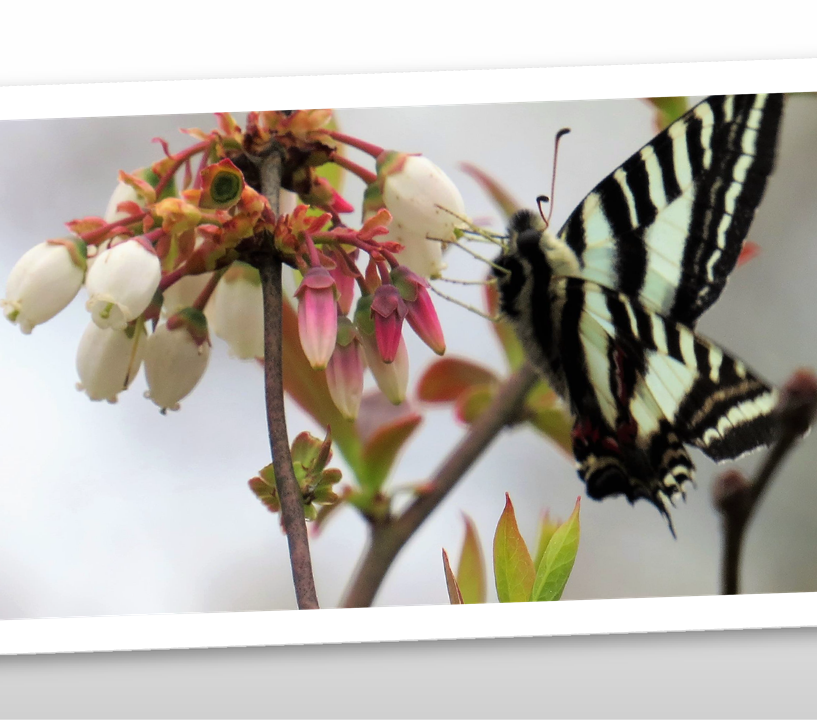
[113, 633]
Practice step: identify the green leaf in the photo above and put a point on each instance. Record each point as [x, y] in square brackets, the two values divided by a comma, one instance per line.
[547, 527]
[473, 402]
[557, 561]
[454, 594]
[546, 413]
[471, 569]
[513, 567]
[382, 447]
[446, 378]
[669, 109]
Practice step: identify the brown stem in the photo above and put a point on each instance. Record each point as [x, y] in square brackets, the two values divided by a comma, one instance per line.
[390, 536]
[736, 498]
[289, 491]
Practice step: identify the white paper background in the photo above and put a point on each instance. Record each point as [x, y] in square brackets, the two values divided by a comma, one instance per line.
[692, 38]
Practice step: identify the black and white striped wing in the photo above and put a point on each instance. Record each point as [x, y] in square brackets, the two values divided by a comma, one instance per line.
[668, 225]
[643, 385]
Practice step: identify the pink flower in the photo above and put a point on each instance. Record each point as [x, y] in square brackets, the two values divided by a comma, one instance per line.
[317, 316]
[391, 378]
[421, 315]
[388, 311]
[344, 374]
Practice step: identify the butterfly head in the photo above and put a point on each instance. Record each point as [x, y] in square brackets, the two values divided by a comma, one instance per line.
[522, 261]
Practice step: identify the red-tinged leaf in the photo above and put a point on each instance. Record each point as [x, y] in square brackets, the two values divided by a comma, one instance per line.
[668, 110]
[309, 390]
[504, 200]
[557, 560]
[750, 251]
[454, 594]
[381, 448]
[507, 338]
[471, 568]
[513, 566]
[547, 527]
[473, 402]
[445, 379]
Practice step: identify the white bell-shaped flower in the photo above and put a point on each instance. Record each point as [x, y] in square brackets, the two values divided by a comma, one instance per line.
[424, 203]
[122, 282]
[108, 360]
[44, 281]
[176, 357]
[236, 311]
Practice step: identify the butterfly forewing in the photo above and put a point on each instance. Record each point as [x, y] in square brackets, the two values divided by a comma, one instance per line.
[668, 225]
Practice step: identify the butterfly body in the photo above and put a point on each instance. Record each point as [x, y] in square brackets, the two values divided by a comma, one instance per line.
[606, 308]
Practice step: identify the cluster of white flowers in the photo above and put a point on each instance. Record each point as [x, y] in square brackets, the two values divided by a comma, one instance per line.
[122, 278]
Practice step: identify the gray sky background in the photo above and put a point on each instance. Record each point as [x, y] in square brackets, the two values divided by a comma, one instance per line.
[117, 509]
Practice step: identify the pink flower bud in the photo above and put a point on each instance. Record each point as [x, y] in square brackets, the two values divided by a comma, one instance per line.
[421, 316]
[317, 316]
[344, 374]
[388, 312]
[391, 378]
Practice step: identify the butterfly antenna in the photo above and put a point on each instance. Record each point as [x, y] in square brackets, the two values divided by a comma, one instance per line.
[559, 136]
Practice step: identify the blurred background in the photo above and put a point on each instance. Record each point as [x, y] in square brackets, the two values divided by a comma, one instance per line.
[116, 509]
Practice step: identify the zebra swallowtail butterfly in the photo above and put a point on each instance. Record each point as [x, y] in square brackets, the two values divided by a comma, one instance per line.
[606, 309]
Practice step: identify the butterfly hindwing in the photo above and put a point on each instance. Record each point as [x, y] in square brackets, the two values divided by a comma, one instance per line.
[644, 385]
[667, 226]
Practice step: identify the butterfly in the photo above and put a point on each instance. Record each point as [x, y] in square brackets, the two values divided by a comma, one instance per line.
[606, 308]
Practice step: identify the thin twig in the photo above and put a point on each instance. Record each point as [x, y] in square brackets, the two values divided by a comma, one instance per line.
[736, 498]
[388, 537]
[289, 491]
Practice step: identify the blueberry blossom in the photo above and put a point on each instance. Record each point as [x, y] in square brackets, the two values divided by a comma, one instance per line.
[176, 357]
[45, 280]
[344, 373]
[317, 316]
[422, 200]
[108, 360]
[122, 282]
[236, 311]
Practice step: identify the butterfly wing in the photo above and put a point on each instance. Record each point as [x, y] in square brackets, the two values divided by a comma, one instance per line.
[668, 225]
[642, 385]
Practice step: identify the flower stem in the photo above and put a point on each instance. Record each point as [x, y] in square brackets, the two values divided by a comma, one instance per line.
[367, 176]
[368, 148]
[388, 537]
[289, 491]
[207, 291]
